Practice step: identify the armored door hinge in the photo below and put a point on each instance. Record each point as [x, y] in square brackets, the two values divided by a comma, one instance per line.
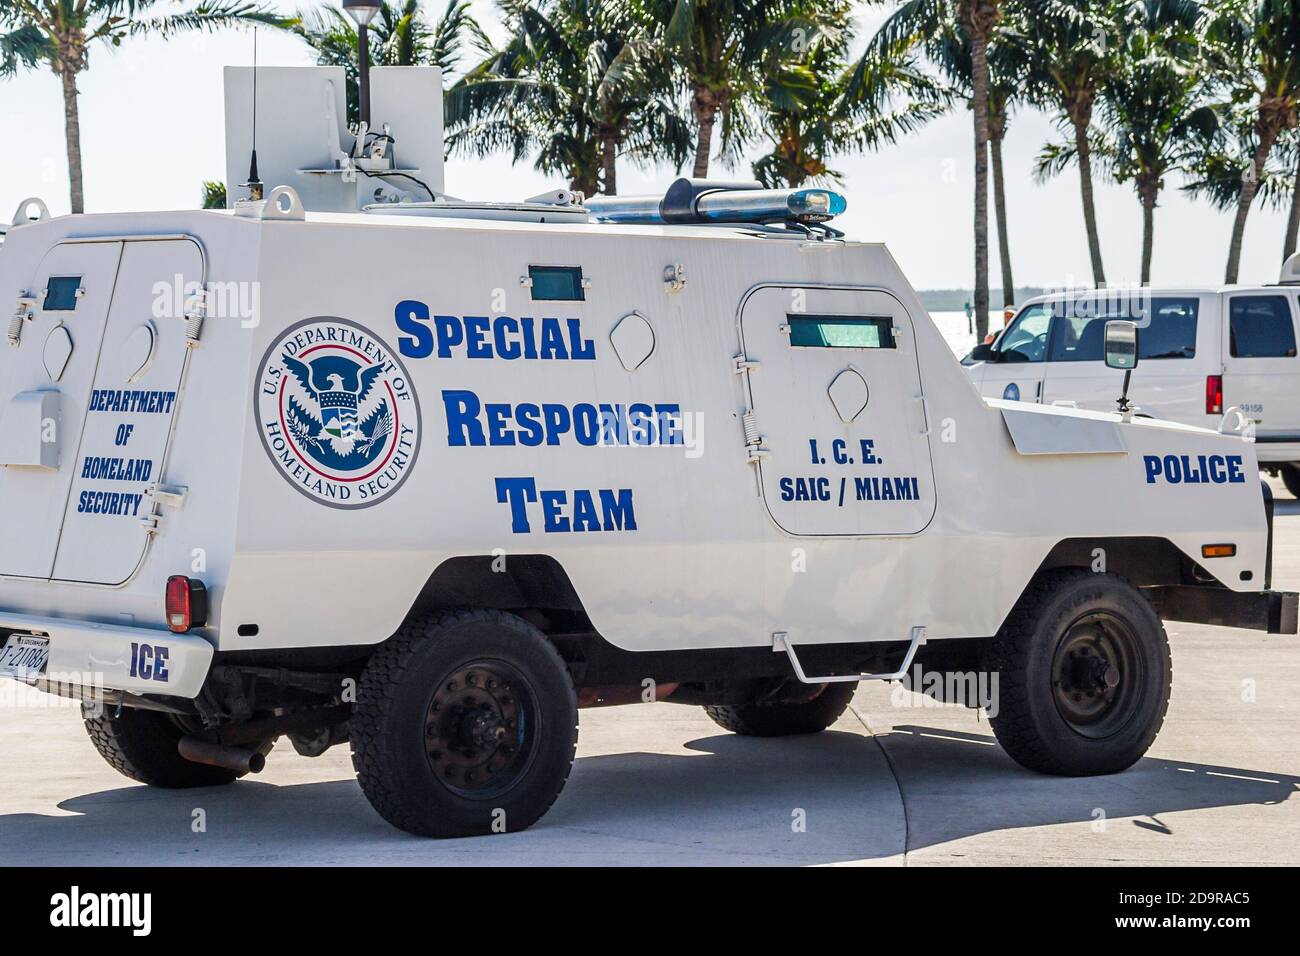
[755, 450]
[740, 364]
[24, 311]
[196, 310]
[156, 497]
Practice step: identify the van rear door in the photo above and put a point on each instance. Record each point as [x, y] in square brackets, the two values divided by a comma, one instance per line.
[1261, 373]
[46, 372]
[113, 508]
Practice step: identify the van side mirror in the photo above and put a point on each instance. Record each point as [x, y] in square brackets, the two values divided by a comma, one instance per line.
[1121, 348]
[1121, 344]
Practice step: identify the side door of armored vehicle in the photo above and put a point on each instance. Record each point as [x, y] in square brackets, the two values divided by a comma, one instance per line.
[1261, 371]
[94, 383]
[1177, 351]
[838, 426]
[1015, 368]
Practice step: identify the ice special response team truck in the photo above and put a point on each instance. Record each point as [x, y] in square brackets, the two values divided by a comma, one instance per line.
[461, 469]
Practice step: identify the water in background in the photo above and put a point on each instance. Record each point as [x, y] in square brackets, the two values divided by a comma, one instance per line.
[953, 327]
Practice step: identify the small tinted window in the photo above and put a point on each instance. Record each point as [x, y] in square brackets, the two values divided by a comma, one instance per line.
[1166, 329]
[556, 283]
[61, 293]
[841, 331]
[1260, 326]
[1025, 339]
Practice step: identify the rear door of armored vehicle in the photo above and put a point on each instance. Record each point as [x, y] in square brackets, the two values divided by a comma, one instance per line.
[94, 384]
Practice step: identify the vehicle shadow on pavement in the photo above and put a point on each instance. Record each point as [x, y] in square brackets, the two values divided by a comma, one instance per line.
[958, 785]
[721, 799]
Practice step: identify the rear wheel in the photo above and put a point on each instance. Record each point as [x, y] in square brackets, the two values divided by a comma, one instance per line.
[465, 724]
[791, 708]
[141, 744]
[1083, 675]
[1291, 478]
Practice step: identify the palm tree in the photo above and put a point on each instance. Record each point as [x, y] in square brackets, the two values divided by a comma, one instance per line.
[1254, 47]
[398, 35]
[1072, 46]
[957, 35]
[61, 33]
[214, 194]
[1221, 167]
[813, 106]
[726, 49]
[576, 83]
[1289, 147]
[1153, 104]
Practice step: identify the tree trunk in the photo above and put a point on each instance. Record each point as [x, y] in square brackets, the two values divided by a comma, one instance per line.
[1000, 213]
[72, 132]
[1293, 221]
[1248, 189]
[1148, 230]
[980, 93]
[1085, 189]
[704, 105]
[609, 157]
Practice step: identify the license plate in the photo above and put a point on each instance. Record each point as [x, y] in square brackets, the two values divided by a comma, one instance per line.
[24, 656]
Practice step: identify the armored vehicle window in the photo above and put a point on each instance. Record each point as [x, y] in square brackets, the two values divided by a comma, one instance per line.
[556, 283]
[1166, 329]
[841, 331]
[61, 293]
[1025, 339]
[1260, 326]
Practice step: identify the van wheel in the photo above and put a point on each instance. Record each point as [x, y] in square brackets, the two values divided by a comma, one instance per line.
[466, 723]
[764, 716]
[141, 744]
[1291, 478]
[1083, 675]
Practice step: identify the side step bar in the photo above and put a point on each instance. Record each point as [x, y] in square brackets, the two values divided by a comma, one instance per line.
[781, 642]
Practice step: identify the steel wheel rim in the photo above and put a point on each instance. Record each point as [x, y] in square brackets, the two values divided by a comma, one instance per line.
[1097, 674]
[481, 727]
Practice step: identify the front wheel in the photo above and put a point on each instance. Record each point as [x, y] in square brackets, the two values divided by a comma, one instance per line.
[1083, 675]
[465, 724]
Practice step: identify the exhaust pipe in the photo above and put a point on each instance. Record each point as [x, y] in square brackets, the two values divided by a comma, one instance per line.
[238, 759]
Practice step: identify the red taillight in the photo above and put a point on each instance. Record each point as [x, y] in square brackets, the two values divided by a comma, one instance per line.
[186, 603]
[1214, 394]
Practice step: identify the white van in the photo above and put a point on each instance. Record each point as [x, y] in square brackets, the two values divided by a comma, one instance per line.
[1203, 352]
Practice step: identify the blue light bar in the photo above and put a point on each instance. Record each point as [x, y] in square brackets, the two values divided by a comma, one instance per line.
[698, 201]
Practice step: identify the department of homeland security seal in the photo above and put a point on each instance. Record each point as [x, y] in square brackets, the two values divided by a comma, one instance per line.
[337, 413]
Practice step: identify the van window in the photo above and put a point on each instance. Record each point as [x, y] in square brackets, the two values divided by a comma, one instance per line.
[1166, 329]
[1260, 326]
[1025, 339]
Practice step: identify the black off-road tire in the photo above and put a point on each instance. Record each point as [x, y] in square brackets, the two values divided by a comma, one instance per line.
[1291, 478]
[1032, 721]
[783, 719]
[395, 733]
[141, 744]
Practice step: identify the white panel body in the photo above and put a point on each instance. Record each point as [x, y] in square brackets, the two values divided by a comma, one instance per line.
[694, 560]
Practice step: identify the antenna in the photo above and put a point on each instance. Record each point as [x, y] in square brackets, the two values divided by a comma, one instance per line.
[254, 184]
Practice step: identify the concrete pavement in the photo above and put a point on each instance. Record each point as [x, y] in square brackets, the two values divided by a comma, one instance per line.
[895, 781]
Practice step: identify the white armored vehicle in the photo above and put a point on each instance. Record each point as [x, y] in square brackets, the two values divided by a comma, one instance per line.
[361, 463]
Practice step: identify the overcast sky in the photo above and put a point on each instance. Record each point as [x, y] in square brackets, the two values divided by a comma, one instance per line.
[152, 131]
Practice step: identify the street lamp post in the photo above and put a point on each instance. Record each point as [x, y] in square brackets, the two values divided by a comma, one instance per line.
[362, 12]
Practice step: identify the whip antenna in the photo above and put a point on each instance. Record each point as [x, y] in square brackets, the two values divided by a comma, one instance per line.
[254, 183]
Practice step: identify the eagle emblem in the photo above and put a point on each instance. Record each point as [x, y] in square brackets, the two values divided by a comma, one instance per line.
[335, 411]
